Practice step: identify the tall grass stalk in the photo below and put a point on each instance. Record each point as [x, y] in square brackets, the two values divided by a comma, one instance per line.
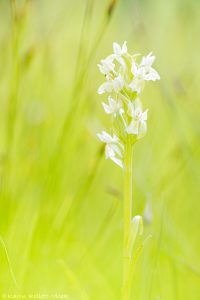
[127, 215]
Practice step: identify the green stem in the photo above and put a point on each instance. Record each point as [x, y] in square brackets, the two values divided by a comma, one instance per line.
[128, 171]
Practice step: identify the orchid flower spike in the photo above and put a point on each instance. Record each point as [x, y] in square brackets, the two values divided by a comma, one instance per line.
[125, 80]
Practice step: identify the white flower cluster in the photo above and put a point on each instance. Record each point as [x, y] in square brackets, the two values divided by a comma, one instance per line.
[125, 79]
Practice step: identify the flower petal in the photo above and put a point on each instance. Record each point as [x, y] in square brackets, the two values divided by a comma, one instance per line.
[124, 47]
[116, 48]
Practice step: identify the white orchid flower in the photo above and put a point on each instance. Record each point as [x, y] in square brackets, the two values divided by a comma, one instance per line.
[113, 106]
[113, 145]
[146, 63]
[143, 72]
[115, 85]
[150, 73]
[138, 80]
[107, 66]
[111, 151]
[138, 123]
[148, 60]
[119, 52]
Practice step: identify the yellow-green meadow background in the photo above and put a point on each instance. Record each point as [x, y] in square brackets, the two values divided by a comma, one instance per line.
[60, 200]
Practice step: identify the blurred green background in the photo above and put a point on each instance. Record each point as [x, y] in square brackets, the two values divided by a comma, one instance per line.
[60, 200]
